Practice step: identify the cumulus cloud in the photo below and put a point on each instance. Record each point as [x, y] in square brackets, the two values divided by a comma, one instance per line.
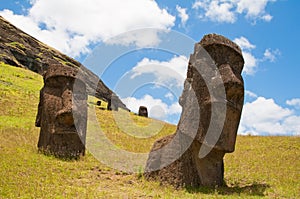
[226, 11]
[156, 107]
[265, 117]
[182, 14]
[244, 43]
[165, 72]
[218, 11]
[271, 55]
[254, 9]
[251, 61]
[169, 96]
[72, 27]
[294, 102]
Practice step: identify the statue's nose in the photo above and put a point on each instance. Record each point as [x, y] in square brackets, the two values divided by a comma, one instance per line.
[65, 115]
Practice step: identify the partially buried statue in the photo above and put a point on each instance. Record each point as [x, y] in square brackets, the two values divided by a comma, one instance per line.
[207, 129]
[62, 112]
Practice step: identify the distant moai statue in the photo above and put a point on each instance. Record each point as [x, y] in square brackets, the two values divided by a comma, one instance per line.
[112, 104]
[62, 113]
[98, 103]
[199, 105]
[143, 111]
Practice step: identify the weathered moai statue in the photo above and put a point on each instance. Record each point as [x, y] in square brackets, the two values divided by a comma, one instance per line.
[62, 113]
[143, 111]
[212, 102]
[112, 104]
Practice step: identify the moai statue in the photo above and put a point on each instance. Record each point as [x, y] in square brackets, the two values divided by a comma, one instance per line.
[62, 113]
[143, 111]
[112, 104]
[193, 156]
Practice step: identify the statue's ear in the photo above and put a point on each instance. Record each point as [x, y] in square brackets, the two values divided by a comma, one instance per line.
[39, 113]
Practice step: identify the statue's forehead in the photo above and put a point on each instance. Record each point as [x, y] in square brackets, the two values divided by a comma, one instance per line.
[58, 78]
[214, 39]
[58, 73]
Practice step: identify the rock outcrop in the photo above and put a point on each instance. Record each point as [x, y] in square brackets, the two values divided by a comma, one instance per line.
[212, 102]
[22, 50]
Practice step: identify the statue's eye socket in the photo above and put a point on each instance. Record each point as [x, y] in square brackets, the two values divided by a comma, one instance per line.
[53, 84]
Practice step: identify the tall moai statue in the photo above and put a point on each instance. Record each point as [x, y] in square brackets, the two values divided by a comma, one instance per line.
[212, 102]
[62, 112]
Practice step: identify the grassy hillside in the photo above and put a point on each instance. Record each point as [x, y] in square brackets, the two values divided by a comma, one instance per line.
[260, 166]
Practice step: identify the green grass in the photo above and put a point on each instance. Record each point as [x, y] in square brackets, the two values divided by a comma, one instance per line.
[260, 166]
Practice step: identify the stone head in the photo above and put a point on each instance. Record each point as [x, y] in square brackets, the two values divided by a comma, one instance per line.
[62, 112]
[227, 58]
[143, 111]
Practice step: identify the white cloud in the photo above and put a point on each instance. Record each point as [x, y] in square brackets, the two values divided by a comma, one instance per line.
[169, 96]
[244, 43]
[294, 102]
[271, 54]
[264, 116]
[141, 38]
[156, 107]
[165, 72]
[182, 14]
[254, 9]
[250, 94]
[175, 108]
[227, 10]
[267, 18]
[251, 62]
[72, 27]
[218, 11]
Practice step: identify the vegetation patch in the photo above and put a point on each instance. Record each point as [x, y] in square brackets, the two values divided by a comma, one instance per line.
[66, 63]
[17, 45]
[260, 166]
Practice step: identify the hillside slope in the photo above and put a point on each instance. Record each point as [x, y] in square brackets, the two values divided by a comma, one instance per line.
[22, 50]
[260, 166]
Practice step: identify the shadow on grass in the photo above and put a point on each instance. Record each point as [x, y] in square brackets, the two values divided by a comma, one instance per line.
[255, 189]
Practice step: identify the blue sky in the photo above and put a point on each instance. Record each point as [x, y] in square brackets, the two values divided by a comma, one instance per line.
[140, 48]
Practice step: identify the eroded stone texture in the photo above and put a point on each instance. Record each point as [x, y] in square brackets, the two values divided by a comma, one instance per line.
[62, 113]
[143, 111]
[176, 159]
